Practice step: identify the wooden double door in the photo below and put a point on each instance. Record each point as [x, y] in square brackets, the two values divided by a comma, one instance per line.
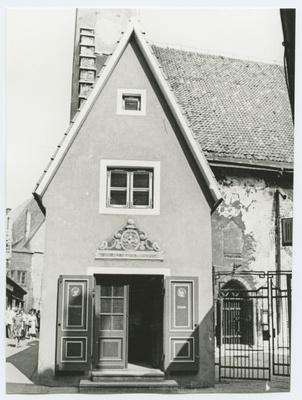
[110, 321]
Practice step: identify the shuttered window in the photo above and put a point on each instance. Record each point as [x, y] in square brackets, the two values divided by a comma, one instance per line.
[287, 231]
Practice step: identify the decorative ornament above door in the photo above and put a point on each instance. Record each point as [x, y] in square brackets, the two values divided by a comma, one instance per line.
[130, 242]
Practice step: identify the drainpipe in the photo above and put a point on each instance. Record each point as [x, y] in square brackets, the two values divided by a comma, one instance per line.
[278, 193]
[288, 21]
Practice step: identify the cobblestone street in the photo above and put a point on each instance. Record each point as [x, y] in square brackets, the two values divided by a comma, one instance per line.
[21, 377]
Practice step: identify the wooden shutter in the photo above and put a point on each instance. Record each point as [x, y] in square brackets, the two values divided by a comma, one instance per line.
[287, 231]
[181, 324]
[74, 323]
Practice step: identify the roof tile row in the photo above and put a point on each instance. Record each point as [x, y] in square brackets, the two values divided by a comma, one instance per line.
[236, 108]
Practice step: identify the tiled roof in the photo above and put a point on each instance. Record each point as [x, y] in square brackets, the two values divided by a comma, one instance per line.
[236, 109]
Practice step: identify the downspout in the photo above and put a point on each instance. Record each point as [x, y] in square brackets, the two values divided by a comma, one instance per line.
[288, 21]
[278, 193]
[277, 232]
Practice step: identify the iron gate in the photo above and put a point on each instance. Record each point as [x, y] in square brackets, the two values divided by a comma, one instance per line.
[252, 325]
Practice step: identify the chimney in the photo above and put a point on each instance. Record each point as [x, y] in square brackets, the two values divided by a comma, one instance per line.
[87, 63]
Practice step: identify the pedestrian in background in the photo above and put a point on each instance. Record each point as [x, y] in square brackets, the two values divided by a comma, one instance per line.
[32, 322]
[25, 325]
[38, 315]
[10, 313]
[18, 326]
[8, 322]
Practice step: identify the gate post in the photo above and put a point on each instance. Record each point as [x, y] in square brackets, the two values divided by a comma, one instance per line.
[271, 323]
[289, 305]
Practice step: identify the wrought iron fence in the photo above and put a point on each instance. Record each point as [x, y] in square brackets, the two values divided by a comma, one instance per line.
[253, 325]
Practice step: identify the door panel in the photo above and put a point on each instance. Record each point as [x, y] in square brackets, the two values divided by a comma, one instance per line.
[111, 326]
[74, 321]
[181, 324]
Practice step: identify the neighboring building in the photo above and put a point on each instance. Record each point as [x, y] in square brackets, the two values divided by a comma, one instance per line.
[14, 294]
[130, 171]
[239, 111]
[25, 250]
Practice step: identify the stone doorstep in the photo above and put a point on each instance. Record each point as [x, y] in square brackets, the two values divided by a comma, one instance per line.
[130, 386]
[127, 375]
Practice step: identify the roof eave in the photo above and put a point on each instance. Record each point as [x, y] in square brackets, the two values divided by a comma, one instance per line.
[264, 165]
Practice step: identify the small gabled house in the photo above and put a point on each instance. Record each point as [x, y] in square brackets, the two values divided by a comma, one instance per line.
[127, 281]
[25, 251]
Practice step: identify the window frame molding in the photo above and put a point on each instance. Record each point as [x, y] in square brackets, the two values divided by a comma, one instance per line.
[120, 164]
[131, 92]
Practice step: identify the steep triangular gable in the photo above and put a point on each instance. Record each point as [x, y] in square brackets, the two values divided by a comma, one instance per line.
[133, 30]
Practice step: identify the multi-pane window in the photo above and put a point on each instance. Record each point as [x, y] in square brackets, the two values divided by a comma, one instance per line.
[112, 308]
[21, 277]
[18, 276]
[130, 188]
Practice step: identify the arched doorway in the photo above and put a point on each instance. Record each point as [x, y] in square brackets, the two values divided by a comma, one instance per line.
[235, 314]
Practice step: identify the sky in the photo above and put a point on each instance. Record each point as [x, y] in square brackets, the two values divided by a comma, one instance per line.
[39, 66]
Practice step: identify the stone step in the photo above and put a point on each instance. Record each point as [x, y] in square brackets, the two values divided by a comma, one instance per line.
[127, 374]
[142, 386]
[127, 378]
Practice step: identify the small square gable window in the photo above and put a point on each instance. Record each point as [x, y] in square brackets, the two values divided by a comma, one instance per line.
[131, 102]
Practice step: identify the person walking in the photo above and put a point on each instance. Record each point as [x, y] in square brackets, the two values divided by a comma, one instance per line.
[38, 315]
[8, 322]
[25, 325]
[32, 323]
[18, 326]
[10, 313]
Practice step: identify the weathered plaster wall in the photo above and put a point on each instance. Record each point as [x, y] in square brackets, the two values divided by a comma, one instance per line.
[37, 265]
[75, 228]
[21, 261]
[244, 224]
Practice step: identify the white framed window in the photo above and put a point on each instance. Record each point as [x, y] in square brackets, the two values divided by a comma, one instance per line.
[131, 102]
[129, 187]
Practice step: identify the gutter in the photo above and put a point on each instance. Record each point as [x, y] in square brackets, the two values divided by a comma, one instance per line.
[38, 199]
[216, 205]
[283, 167]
